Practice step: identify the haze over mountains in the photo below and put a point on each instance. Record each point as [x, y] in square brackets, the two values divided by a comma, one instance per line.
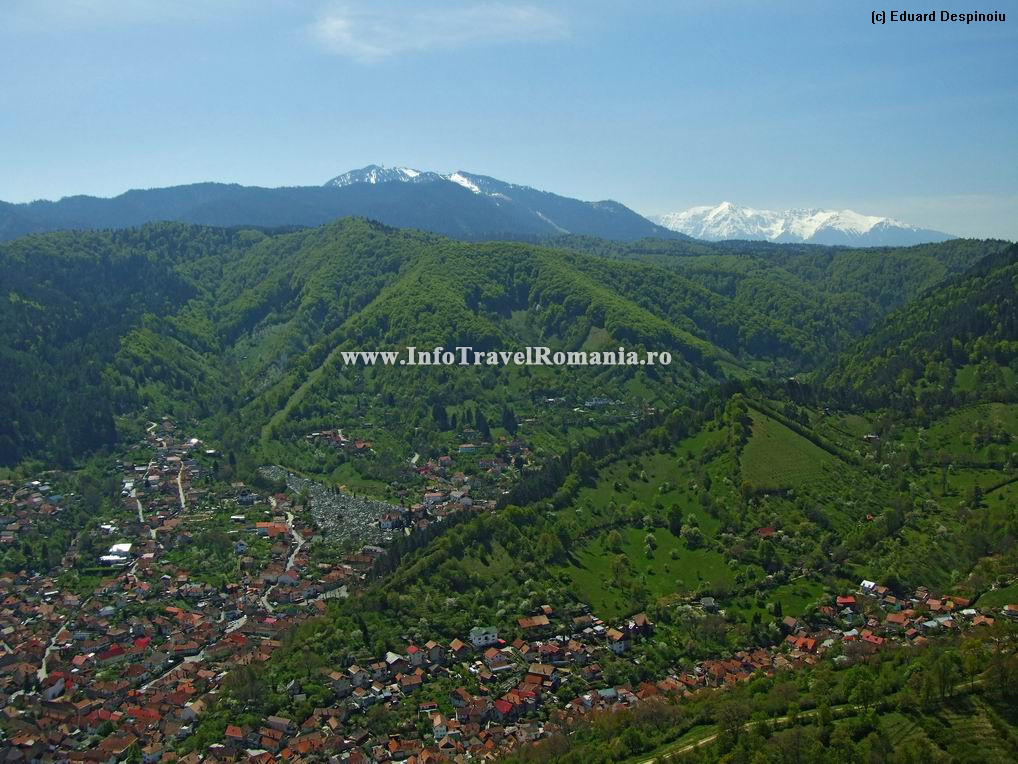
[814, 226]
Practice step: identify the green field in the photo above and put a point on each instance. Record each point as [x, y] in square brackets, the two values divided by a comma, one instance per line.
[967, 728]
[350, 480]
[795, 598]
[627, 494]
[1005, 495]
[592, 569]
[656, 481]
[966, 378]
[973, 730]
[855, 425]
[964, 434]
[777, 458]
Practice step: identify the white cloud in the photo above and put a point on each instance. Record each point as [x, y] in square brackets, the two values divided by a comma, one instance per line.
[370, 34]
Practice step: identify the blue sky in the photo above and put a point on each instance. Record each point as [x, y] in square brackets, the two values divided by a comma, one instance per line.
[659, 105]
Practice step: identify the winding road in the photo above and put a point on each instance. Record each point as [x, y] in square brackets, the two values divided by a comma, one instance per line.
[180, 487]
[299, 542]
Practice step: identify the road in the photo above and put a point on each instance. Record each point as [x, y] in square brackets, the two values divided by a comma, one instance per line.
[43, 671]
[189, 659]
[134, 491]
[299, 542]
[180, 487]
[234, 625]
[141, 518]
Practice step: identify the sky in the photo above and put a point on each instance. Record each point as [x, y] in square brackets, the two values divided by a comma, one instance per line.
[659, 105]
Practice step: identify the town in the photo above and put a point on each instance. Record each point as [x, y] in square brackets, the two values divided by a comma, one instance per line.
[192, 579]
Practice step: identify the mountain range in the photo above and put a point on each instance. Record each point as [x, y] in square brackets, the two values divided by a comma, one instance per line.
[461, 205]
[814, 226]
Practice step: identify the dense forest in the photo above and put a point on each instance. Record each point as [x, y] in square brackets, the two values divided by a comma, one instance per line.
[72, 302]
[957, 342]
[238, 328]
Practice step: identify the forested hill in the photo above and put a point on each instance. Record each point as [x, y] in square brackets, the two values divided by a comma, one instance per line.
[957, 342]
[70, 302]
[834, 293]
[239, 328]
[200, 322]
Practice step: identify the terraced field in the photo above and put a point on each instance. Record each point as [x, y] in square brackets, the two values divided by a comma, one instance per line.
[967, 729]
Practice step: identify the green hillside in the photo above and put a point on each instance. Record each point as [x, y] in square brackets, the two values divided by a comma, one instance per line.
[956, 343]
[775, 457]
[832, 294]
[240, 329]
[654, 522]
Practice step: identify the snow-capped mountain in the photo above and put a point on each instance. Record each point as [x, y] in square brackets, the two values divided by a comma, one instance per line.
[457, 204]
[376, 173]
[492, 207]
[815, 226]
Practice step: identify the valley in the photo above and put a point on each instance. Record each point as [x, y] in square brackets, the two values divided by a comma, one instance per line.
[522, 446]
[248, 545]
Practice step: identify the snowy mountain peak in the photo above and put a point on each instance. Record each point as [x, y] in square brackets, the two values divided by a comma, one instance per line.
[467, 201]
[375, 173]
[817, 226]
[464, 180]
